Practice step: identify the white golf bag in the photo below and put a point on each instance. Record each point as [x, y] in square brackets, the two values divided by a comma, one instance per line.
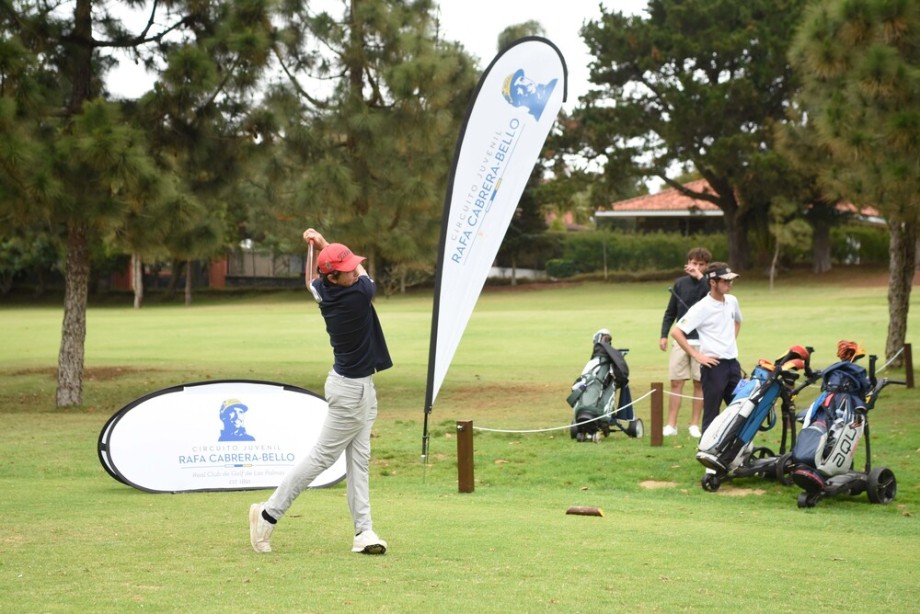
[728, 440]
[833, 425]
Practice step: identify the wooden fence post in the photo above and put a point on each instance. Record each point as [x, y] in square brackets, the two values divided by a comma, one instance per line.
[657, 412]
[908, 366]
[465, 456]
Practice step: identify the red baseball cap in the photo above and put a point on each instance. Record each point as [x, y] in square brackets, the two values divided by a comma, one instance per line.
[337, 257]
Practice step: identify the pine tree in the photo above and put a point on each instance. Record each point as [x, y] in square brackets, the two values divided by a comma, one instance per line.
[368, 118]
[860, 66]
[80, 162]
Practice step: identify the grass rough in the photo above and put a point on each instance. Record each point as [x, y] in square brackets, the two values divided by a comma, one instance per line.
[74, 540]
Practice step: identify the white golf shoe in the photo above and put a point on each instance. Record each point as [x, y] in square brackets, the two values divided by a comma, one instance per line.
[367, 542]
[260, 530]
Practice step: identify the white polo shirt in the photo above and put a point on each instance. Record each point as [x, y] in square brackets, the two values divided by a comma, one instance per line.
[714, 322]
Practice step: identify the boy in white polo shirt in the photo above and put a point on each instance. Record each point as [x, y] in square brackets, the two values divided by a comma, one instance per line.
[717, 320]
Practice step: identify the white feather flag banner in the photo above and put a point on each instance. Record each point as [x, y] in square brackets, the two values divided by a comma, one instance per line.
[512, 112]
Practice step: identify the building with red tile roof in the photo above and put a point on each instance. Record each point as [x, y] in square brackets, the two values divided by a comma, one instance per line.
[670, 210]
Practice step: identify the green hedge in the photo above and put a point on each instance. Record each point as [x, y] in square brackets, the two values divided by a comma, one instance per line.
[859, 245]
[586, 252]
[625, 251]
[560, 268]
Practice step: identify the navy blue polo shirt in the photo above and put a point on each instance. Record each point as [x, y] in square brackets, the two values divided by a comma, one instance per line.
[354, 329]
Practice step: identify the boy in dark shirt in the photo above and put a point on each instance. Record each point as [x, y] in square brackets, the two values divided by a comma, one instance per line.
[686, 291]
[344, 293]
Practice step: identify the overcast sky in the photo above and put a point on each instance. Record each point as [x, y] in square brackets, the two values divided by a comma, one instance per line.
[476, 24]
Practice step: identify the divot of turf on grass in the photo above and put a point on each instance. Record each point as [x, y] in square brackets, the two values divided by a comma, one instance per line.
[731, 491]
[656, 484]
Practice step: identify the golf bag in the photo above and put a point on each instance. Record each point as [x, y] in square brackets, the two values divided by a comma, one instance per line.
[595, 404]
[833, 425]
[727, 444]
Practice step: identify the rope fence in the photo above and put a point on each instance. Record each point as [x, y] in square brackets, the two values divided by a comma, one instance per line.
[567, 426]
[465, 428]
[895, 357]
[665, 392]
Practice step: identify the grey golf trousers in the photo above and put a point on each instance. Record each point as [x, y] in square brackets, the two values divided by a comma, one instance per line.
[352, 411]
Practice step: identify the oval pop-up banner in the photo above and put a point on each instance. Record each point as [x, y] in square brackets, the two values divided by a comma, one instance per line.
[221, 435]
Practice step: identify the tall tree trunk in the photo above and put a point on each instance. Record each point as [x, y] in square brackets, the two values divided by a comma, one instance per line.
[739, 252]
[188, 282]
[73, 334]
[81, 56]
[175, 271]
[137, 279]
[902, 254]
[370, 264]
[773, 265]
[821, 247]
[76, 276]
[39, 281]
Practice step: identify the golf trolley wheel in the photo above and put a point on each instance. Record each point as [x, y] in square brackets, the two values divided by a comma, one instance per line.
[710, 482]
[807, 500]
[635, 428]
[783, 469]
[762, 453]
[882, 485]
[573, 431]
[596, 437]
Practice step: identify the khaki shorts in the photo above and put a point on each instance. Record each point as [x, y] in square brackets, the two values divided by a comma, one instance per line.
[681, 366]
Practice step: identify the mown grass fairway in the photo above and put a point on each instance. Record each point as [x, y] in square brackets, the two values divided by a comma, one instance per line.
[75, 540]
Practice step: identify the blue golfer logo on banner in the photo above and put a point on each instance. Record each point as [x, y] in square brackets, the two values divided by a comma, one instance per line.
[520, 91]
[232, 414]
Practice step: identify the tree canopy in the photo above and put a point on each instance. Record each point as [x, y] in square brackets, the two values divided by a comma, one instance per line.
[259, 114]
[695, 82]
[860, 65]
[364, 121]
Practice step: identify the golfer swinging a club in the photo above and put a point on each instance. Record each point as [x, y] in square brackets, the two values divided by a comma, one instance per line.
[344, 293]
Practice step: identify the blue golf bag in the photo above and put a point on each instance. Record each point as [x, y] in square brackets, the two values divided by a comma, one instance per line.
[727, 447]
[728, 439]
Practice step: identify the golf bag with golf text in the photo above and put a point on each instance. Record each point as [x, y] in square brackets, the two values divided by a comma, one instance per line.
[835, 425]
[595, 404]
[832, 426]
